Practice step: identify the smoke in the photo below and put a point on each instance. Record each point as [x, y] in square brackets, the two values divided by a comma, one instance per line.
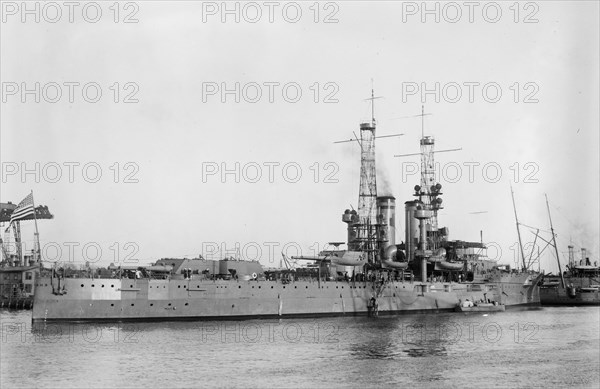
[384, 187]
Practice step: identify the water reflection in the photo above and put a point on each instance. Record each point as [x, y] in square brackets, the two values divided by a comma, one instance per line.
[397, 338]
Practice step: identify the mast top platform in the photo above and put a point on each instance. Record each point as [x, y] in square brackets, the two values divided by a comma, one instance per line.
[367, 126]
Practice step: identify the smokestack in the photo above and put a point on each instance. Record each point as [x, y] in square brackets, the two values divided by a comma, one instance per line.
[411, 229]
[386, 207]
[351, 218]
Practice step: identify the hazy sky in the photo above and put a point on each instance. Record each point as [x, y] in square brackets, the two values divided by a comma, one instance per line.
[517, 90]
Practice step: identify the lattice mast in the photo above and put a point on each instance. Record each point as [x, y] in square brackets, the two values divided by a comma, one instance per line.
[363, 223]
[367, 191]
[365, 229]
[429, 189]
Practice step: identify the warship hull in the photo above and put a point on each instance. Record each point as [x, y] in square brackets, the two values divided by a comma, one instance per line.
[576, 290]
[85, 299]
[561, 296]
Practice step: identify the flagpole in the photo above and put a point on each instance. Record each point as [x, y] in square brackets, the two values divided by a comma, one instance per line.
[36, 254]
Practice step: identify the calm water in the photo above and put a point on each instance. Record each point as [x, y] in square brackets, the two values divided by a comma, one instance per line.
[551, 347]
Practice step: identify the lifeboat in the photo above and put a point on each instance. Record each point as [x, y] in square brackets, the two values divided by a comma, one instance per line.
[445, 265]
[389, 254]
[350, 258]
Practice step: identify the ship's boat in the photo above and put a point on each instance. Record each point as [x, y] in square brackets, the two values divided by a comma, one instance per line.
[481, 307]
[340, 257]
[445, 265]
[394, 264]
[350, 258]
[393, 258]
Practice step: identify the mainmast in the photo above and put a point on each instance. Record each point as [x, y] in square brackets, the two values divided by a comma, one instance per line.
[518, 230]
[367, 192]
[429, 189]
[562, 278]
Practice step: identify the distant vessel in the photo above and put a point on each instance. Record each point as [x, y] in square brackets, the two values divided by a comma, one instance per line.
[18, 270]
[578, 285]
[426, 273]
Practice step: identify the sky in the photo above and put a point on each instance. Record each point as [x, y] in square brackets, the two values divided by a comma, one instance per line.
[166, 129]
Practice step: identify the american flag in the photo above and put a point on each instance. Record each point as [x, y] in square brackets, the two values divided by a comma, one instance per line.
[24, 209]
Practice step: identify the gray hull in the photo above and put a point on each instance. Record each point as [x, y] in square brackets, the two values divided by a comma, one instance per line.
[144, 299]
[560, 296]
[579, 291]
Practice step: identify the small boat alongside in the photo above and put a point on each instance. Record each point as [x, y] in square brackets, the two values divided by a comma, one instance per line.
[470, 306]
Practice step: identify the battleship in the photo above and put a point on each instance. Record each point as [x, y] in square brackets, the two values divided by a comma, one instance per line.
[372, 275]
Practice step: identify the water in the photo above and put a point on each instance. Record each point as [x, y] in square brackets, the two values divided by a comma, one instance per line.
[550, 347]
